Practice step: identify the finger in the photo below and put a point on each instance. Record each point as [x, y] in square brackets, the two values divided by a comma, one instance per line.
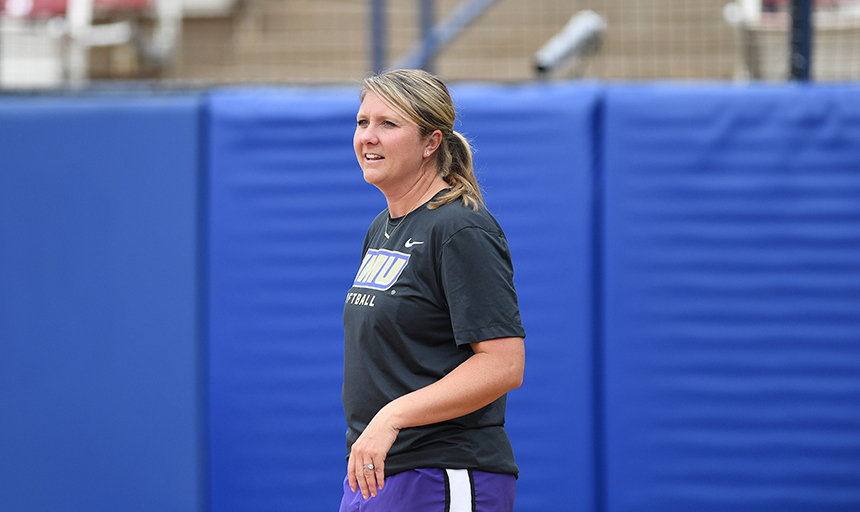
[373, 481]
[380, 474]
[350, 471]
[371, 475]
[361, 474]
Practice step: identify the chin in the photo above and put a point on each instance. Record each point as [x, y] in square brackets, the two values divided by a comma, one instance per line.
[372, 177]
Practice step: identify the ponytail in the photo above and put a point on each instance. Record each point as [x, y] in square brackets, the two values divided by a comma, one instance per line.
[454, 164]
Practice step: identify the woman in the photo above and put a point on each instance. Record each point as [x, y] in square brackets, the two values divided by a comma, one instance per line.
[433, 337]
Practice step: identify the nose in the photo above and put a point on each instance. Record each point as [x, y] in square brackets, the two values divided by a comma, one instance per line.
[368, 135]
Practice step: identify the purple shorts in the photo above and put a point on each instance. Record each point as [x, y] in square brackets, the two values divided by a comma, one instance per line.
[437, 490]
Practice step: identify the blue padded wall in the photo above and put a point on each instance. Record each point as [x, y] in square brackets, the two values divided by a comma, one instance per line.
[698, 246]
[535, 153]
[732, 298]
[98, 295]
[289, 209]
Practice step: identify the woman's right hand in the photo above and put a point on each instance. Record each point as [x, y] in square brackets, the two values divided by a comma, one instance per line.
[366, 468]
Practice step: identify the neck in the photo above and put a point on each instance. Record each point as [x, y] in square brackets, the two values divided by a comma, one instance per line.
[420, 192]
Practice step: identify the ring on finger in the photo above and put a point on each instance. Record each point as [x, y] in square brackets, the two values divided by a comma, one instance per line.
[369, 466]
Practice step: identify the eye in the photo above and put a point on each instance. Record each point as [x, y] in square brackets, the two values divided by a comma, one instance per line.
[362, 122]
[389, 124]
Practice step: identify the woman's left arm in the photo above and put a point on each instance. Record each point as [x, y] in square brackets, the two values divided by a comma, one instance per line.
[495, 368]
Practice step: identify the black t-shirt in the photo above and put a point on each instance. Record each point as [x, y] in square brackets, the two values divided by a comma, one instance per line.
[443, 280]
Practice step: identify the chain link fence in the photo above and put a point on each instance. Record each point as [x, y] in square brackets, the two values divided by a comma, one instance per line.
[329, 41]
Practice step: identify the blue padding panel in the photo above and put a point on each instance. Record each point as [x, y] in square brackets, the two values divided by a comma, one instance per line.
[98, 292]
[289, 209]
[732, 299]
[535, 149]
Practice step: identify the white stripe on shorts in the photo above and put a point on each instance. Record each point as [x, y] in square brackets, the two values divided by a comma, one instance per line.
[461, 490]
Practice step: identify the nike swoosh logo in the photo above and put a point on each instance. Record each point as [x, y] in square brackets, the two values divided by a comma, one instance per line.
[409, 243]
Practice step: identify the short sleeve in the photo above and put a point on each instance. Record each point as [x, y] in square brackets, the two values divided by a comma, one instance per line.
[477, 278]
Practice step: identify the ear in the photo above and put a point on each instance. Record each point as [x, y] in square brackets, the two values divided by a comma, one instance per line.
[433, 142]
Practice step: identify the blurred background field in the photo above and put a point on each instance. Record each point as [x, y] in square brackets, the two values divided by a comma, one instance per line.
[330, 41]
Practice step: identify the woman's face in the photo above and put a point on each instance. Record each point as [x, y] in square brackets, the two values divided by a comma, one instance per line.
[389, 147]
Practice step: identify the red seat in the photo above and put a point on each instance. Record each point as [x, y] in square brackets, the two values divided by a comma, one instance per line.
[51, 8]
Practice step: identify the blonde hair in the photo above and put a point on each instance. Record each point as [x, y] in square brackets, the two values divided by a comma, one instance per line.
[424, 99]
